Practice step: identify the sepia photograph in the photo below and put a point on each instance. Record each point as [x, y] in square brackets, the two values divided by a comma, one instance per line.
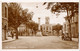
[40, 25]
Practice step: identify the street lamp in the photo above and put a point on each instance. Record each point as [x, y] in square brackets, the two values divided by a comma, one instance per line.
[39, 23]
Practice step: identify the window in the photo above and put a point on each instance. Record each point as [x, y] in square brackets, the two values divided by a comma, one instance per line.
[5, 12]
[50, 28]
[46, 27]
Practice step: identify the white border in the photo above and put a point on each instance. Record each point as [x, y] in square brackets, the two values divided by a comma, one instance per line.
[34, 1]
[79, 25]
[41, 50]
[40, 0]
[0, 26]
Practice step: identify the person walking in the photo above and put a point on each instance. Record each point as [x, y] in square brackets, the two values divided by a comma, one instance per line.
[62, 36]
[12, 34]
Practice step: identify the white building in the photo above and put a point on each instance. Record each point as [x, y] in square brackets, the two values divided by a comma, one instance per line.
[47, 28]
[22, 29]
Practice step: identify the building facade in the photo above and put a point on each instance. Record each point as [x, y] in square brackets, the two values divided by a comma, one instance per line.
[74, 25]
[22, 29]
[4, 20]
[47, 28]
[64, 27]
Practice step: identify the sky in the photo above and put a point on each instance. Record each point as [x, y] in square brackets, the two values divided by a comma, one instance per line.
[42, 13]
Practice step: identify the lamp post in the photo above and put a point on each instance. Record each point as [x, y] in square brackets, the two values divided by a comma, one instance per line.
[39, 31]
[39, 23]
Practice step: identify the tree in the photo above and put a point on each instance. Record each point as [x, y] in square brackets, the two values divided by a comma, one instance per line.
[14, 16]
[24, 16]
[69, 7]
[17, 16]
[33, 26]
[54, 27]
[60, 6]
[57, 27]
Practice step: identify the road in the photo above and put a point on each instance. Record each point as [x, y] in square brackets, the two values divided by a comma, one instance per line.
[43, 42]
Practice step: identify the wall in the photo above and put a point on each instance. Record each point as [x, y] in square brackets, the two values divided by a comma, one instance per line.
[4, 20]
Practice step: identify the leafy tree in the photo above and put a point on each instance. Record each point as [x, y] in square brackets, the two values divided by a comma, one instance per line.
[14, 16]
[54, 27]
[60, 6]
[57, 27]
[24, 16]
[33, 26]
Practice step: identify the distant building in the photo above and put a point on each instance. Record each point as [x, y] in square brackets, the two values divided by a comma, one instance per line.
[4, 20]
[22, 29]
[47, 28]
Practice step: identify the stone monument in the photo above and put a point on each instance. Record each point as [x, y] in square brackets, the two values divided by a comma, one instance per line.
[39, 33]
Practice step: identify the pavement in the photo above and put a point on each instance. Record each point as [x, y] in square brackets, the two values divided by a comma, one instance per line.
[75, 39]
[42, 42]
[9, 39]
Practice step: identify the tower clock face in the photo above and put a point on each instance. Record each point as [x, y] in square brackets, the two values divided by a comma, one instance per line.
[47, 20]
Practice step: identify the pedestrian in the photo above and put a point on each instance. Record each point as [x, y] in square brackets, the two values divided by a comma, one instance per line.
[12, 34]
[9, 33]
[62, 36]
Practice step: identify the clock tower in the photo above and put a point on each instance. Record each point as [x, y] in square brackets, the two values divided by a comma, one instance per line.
[47, 20]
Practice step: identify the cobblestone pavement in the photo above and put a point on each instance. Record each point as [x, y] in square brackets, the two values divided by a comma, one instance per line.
[43, 42]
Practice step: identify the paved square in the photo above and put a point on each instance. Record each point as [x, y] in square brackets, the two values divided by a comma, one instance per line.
[43, 42]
